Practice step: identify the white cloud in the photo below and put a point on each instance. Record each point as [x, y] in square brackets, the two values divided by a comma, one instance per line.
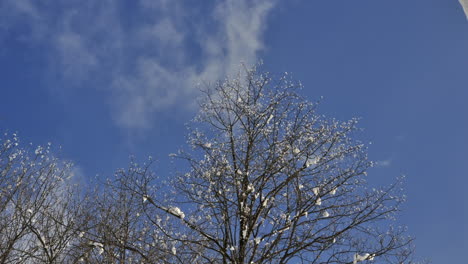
[76, 60]
[384, 163]
[78, 177]
[162, 32]
[21, 12]
[146, 60]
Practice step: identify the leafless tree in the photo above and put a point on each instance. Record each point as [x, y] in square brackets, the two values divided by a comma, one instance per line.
[121, 228]
[266, 180]
[39, 207]
[272, 181]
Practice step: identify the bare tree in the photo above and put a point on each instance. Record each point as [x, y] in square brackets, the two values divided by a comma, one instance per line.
[268, 181]
[39, 208]
[271, 181]
[121, 228]
[46, 218]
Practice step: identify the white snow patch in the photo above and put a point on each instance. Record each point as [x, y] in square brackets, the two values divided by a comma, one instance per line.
[244, 233]
[269, 119]
[325, 214]
[257, 240]
[316, 190]
[318, 201]
[99, 246]
[311, 161]
[358, 257]
[176, 211]
[38, 150]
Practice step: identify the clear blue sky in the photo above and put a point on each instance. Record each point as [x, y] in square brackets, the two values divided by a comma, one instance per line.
[106, 79]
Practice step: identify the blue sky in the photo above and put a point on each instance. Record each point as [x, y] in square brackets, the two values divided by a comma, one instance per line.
[106, 79]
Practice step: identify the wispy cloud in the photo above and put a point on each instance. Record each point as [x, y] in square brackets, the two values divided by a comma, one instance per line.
[146, 56]
[384, 163]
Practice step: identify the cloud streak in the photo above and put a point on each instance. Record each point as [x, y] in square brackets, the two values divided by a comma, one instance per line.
[146, 56]
[384, 163]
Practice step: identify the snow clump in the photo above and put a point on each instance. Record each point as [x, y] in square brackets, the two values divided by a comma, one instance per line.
[176, 211]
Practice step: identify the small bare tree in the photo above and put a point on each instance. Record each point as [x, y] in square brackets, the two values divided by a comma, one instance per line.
[121, 228]
[271, 181]
[39, 208]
